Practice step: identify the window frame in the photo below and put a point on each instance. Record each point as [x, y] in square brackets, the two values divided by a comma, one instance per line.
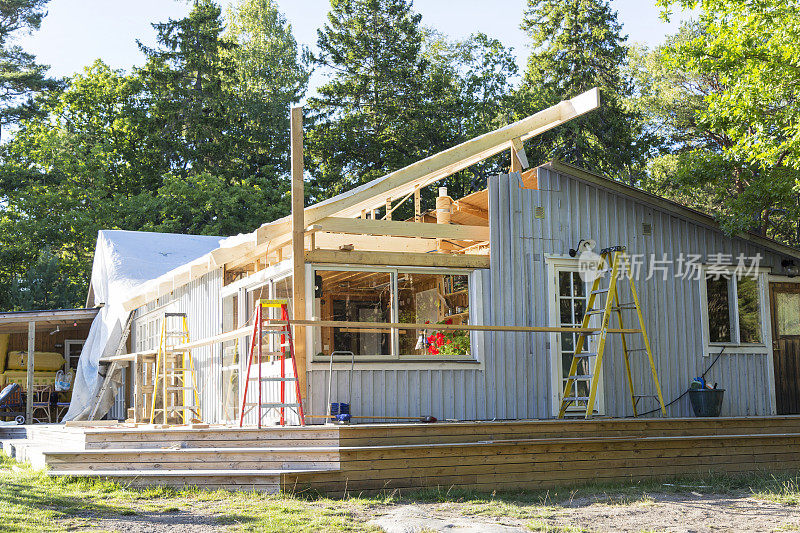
[735, 345]
[394, 357]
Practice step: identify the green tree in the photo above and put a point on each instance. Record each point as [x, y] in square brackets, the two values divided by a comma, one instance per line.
[83, 164]
[470, 83]
[21, 77]
[368, 116]
[697, 163]
[270, 73]
[577, 45]
[752, 47]
[398, 92]
[184, 78]
[43, 286]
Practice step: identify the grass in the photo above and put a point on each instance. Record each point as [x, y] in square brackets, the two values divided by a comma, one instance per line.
[30, 501]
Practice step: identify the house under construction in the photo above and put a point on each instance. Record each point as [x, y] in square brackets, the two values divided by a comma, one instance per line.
[475, 314]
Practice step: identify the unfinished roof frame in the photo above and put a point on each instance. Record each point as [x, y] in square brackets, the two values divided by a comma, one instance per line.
[330, 223]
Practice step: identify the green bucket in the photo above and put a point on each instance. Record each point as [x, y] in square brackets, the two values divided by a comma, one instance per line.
[706, 402]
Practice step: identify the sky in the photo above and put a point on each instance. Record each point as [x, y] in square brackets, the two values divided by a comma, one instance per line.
[76, 32]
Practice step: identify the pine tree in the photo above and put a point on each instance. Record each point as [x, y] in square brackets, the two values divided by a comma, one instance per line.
[21, 77]
[184, 78]
[577, 45]
[370, 116]
[270, 73]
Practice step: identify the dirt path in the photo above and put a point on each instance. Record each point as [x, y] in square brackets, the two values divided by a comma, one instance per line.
[693, 512]
[680, 513]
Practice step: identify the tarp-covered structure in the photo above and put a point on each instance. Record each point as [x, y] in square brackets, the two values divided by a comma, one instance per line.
[123, 262]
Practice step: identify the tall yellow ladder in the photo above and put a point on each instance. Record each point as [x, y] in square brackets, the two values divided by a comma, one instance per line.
[616, 262]
[175, 375]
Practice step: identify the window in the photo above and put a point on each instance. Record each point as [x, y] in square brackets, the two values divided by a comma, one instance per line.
[572, 299]
[391, 296]
[787, 310]
[734, 310]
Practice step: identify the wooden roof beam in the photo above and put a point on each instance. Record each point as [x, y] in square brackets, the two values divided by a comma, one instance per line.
[397, 228]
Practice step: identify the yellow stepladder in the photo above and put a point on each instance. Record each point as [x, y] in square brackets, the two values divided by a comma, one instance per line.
[616, 262]
[175, 374]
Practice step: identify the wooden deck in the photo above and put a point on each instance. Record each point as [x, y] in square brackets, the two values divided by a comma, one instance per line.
[504, 455]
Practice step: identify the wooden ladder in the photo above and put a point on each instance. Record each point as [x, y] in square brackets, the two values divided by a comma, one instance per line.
[113, 370]
[174, 371]
[615, 261]
[283, 330]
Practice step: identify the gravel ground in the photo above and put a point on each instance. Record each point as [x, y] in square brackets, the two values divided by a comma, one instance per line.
[690, 512]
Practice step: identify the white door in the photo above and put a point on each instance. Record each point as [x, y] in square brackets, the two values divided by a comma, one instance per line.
[568, 299]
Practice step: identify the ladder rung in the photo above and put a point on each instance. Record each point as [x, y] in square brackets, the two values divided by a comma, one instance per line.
[599, 291]
[272, 405]
[273, 379]
[580, 376]
[575, 398]
[637, 350]
[179, 370]
[584, 354]
[595, 311]
[180, 388]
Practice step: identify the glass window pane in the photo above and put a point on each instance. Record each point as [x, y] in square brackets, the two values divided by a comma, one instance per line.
[566, 311]
[787, 311]
[580, 310]
[433, 298]
[578, 284]
[749, 310]
[567, 342]
[719, 312]
[354, 297]
[564, 288]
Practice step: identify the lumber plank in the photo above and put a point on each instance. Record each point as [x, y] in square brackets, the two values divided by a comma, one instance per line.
[357, 257]
[396, 228]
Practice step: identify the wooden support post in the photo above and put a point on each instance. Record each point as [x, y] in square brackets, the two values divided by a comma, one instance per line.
[443, 213]
[417, 206]
[29, 381]
[516, 166]
[298, 245]
[388, 209]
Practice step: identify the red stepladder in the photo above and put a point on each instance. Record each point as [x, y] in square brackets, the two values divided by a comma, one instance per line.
[282, 329]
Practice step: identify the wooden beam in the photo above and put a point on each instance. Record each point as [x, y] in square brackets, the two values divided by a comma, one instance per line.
[298, 247]
[417, 206]
[455, 327]
[29, 380]
[518, 151]
[396, 228]
[388, 215]
[469, 209]
[398, 259]
[332, 241]
[452, 160]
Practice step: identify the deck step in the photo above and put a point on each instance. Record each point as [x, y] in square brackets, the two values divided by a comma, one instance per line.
[201, 459]
[268, 481]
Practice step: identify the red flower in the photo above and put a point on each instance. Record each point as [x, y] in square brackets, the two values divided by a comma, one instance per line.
[448, 321]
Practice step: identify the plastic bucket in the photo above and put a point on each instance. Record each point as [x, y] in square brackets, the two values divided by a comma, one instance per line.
[706, 402]
[340, 408]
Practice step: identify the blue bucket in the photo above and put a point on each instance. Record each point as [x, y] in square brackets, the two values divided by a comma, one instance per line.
[340, 408]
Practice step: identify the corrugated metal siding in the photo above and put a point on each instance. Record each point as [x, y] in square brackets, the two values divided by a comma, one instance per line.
[200, 300]
[575, 210]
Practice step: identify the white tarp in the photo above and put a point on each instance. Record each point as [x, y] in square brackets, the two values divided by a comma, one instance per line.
[123, 260]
